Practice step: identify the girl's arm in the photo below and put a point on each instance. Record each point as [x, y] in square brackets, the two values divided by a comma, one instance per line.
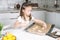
[19, 24]
[42, 23]
[16, 24]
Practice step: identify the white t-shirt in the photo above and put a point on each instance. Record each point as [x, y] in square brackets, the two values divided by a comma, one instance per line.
[21, 20]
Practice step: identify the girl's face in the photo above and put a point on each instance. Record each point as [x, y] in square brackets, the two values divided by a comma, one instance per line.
[27, 11]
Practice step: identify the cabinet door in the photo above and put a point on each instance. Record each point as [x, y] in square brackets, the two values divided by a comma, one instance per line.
[58, 20]
[8, 18]
[51, 17]
[39, 14]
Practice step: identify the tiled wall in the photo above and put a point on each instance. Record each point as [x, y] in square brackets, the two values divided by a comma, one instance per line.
[50, 3]
[9, 3]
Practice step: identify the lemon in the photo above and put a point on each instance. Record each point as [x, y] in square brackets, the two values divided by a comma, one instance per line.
[9, 35]
[4, 38]
[10, 39]
[14, 37]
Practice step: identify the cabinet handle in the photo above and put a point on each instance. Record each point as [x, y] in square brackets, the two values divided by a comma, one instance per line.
[13, 18]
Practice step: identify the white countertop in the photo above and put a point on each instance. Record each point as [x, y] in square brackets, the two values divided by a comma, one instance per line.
[23, 35]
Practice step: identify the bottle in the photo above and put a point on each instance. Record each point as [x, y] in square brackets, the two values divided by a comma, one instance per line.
[56, 4]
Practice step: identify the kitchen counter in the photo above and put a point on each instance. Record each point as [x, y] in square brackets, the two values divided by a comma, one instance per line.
[9, 11]
[17, 11]
[34, 9]
[23, 35]
[48, 9]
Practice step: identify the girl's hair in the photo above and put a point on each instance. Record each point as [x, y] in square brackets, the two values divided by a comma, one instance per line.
[24, 5]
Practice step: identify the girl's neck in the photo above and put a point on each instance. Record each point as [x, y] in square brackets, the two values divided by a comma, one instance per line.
[26, 17]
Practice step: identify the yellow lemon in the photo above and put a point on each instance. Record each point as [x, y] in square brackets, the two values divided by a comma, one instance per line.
[4, 38]
[10, 39]
[14, 37]
[9, 35]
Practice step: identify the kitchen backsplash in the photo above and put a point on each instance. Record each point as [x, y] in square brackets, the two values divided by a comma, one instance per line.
[42, 3]
[5, 4]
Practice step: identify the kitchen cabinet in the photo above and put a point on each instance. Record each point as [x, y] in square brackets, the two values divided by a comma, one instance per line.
[53, 18]
[8, 18]
[49, 17]
[58, 20]
[39, 14]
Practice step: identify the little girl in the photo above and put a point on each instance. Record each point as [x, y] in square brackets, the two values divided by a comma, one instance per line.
[25, 17]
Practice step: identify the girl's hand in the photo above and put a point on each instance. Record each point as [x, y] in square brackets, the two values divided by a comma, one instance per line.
[42, 23]
[44, 27]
